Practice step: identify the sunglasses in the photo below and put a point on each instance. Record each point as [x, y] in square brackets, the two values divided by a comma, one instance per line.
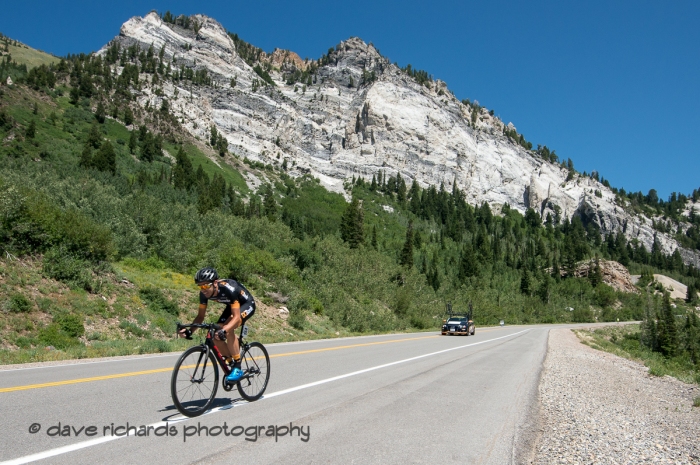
[205, 286]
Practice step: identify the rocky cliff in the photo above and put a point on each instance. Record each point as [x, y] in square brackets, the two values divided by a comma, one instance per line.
[357, 115]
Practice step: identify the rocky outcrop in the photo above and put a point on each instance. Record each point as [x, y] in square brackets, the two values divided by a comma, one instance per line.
[614, 275]
[361, 115]
[280, 58]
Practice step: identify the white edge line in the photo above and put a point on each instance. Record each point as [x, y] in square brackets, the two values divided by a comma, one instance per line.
[96, 441]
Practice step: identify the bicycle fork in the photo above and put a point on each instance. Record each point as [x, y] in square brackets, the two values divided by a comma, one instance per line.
[204, 367]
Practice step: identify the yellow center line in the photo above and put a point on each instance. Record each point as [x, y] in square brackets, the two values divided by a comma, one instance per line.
[163, 370]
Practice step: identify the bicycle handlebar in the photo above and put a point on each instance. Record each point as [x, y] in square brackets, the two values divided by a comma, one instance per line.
[207, 326]
[213, 326]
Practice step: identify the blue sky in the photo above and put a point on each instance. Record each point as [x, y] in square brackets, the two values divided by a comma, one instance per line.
[613, 85]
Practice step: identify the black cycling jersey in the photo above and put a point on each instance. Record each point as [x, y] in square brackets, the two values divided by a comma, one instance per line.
[231, 291]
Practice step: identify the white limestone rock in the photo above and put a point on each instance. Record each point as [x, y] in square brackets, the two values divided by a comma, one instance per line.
[344, 124]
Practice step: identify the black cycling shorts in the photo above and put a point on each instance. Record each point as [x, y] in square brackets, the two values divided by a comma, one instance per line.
[247, 310]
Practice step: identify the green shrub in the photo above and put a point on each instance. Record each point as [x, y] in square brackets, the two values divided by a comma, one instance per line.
[131, 328]
[297, 319]
[31, 222]
[63, 266]
[149, 264]
[582, 315]
[157, 302]
[154, 346]
[420, 322]
[53, 335]
[25, 342]
[304, 256]
[18, 303]
[45, 304]
[165, 323]
[402, 302]
[605, 295]
[71, 324]
[302, 301]
[242, 262]
[95, 336]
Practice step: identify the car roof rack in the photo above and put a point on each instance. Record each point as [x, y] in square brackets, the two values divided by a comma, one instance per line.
[451, 314]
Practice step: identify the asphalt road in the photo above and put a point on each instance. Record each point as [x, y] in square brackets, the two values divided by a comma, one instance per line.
[408, 398]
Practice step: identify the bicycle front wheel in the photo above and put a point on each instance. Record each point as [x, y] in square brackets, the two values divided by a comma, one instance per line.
[255, 364]
[194, 381]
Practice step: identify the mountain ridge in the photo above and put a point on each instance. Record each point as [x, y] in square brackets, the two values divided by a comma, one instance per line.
[358, 115]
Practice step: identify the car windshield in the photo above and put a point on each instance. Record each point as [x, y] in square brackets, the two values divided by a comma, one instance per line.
[454, 321]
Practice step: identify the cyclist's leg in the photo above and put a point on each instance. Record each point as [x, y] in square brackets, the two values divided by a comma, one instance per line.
[224, 346]
[246, 311]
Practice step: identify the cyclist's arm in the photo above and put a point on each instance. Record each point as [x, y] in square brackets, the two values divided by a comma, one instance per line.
[201, 313]
[198, 319]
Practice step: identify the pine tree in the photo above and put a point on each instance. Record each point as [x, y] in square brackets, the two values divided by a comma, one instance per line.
[525, 282]
[352, 224]
[373, 241]
[648, 328]
[556, 272]
[468, 265]
[414, 193]
[74, 95]
[400, 189]
[406, 258]
[432, 276]
[149, 148]
[691, 293]
[31, 130]
[569, 256]
[543, 291]
[222, 145]
[269, 204]
[100, 113]
[669, 342]
[183, 173]
[105, 159]
[86, 157]
[201, 180]
[133, 142]
[94, 138]
[417, 240]
[595, 274]
[128, 117]
[214, 136]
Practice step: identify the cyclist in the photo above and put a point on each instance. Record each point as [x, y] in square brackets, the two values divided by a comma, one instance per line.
[240, 306]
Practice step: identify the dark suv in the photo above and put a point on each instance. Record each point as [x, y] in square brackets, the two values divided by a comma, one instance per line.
[458, 325]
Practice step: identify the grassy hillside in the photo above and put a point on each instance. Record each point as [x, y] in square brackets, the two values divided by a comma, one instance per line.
[25, 55]
[107, 209]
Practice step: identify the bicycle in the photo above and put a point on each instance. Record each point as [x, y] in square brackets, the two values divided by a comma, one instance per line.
[195, 377]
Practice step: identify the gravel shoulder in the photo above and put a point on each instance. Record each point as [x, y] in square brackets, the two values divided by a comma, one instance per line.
[600, 408]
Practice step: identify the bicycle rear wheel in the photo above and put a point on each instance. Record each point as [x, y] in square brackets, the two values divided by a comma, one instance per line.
[255, 364]
[194, 381]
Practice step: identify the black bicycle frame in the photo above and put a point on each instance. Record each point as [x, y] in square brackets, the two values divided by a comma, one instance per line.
[211, 347]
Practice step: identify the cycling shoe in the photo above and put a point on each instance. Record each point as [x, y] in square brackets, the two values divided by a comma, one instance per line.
[235, 375]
